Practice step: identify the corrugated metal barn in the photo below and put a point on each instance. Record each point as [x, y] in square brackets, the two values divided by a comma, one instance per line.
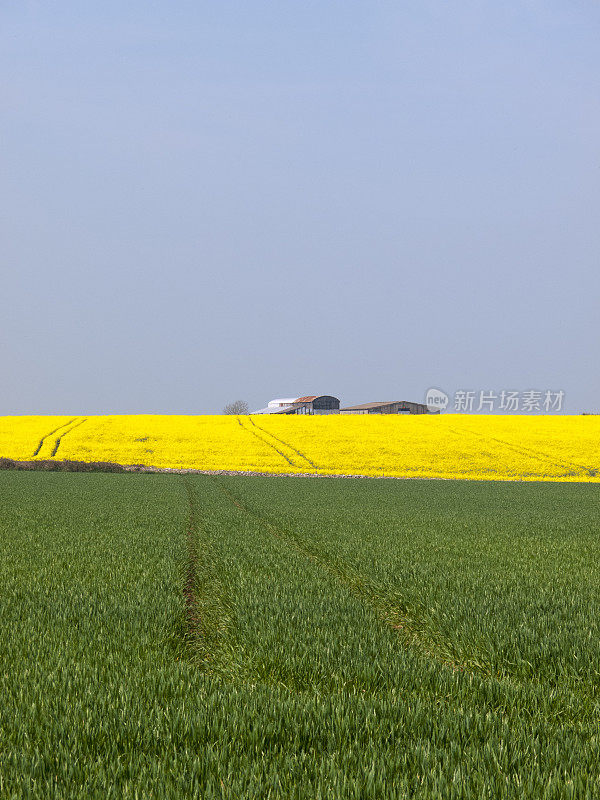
[308, 404]
[391, 407]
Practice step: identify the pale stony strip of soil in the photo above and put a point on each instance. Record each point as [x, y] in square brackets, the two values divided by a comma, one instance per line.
[108, 467]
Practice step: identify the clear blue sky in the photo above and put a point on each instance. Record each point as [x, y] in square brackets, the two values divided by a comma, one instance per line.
[205, 201]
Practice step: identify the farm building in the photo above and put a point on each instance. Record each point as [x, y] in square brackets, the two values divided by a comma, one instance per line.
[391, 407]
[308, 404]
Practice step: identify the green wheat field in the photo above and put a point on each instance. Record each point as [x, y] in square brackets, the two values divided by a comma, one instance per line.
[225, 637]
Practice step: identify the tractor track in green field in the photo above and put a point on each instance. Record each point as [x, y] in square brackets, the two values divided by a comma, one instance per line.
[208, 633]
[191, 571]
[415, 630]
[408, 627]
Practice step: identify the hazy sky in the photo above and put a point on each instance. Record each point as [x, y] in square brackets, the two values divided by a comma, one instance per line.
[202, 201]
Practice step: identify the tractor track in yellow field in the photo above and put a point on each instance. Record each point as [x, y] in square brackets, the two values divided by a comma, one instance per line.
[58, 441]
[66, 428]
[287, 444]
[267, 442]
[522, 450]
[48, 435]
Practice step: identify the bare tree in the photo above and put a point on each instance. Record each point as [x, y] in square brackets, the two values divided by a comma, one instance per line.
[237, 407]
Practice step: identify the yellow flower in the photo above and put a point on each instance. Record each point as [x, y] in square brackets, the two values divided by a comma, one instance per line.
[550, 448]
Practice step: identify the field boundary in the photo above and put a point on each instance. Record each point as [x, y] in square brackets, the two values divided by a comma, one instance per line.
[68, 465]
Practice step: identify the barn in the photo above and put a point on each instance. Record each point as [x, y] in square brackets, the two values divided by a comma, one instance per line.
[307, 404]
[390, 407]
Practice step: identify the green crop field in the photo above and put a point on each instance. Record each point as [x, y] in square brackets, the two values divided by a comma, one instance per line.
[173, 637]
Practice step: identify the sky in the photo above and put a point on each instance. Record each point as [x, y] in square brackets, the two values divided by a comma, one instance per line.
[203, 201]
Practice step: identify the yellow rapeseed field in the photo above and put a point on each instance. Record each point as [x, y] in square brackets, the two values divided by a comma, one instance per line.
[476, 447]
[20, 437]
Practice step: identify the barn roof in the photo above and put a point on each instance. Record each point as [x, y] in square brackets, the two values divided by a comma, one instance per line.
[366, 406]
[281, 401]
[276, 409]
